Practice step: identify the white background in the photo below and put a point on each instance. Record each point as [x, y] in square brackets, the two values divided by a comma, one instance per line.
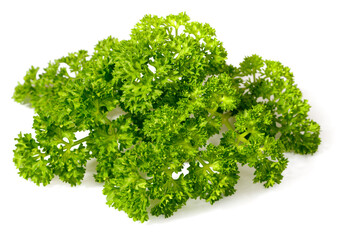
[307, 36]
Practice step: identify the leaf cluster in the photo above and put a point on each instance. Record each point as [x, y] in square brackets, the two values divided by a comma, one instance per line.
[175, 89]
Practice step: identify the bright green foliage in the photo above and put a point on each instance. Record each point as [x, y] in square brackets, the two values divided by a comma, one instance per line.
[176, 91]
[213, 174]
[272, 83]
[30, 161]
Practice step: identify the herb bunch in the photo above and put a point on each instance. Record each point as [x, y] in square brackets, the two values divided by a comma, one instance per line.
[176, 90]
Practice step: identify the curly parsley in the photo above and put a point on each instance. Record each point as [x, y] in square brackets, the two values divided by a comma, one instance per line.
[176, 91]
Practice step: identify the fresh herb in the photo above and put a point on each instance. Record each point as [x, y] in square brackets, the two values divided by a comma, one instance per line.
[176, 90]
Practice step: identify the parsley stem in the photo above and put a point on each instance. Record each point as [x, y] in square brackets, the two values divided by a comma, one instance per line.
[226, 122]
[242, 137]
[80, 141]
[205, 165]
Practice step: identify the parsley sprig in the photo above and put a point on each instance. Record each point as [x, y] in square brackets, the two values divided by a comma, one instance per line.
[176, 90]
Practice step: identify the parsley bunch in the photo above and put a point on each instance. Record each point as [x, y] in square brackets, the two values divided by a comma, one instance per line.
[176, 90]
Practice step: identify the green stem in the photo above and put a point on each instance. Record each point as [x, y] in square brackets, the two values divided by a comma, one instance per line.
[225, 120]
[205, 165]
[80, 141]
[242, 137]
